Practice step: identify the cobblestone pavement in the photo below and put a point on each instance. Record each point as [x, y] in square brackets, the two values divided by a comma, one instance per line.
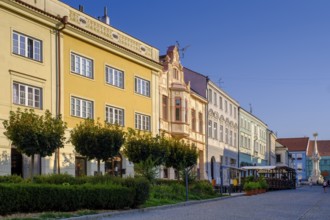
[303, 203]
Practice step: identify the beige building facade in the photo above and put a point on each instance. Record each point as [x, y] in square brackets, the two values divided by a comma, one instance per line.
[182, 112]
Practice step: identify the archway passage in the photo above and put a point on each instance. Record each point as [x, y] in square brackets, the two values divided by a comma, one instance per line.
[213, 168]
[114, 166]
[16, 162]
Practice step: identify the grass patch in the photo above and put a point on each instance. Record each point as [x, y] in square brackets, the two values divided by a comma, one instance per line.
[166, 194]
[49, 215]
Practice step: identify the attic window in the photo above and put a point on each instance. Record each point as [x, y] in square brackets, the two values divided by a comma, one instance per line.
[143, 49]
[115, 36]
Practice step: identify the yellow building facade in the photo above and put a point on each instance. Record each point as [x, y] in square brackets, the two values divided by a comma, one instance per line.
[88, 70]
[110, 76]
[183, 111]
[27, 74]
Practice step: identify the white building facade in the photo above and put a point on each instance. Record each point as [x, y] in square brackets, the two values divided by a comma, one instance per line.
[222, 134]
[253, 140]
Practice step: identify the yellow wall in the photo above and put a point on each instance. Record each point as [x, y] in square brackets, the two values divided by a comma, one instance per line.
[23, 70]
[97, 90]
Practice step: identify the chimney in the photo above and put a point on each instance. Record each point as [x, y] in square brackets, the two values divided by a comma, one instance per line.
[105, 18]
[81, 8]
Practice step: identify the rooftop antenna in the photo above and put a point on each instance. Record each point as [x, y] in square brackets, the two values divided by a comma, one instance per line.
[182, 50]
[220, 82]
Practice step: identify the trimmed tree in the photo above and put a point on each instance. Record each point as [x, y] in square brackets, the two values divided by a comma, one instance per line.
[96, 141]
[146, 152]
[182, 157]
[35, 134]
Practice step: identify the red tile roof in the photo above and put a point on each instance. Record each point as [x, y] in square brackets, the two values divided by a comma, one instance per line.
[322, 146]
[294, 144]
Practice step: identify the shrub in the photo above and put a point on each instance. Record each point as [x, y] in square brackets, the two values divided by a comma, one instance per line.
[51, 197]
[11, 179]
[202, 188]
[55, 179]
[168, 192]
[248, 186]
[167, 182]
[141, 187]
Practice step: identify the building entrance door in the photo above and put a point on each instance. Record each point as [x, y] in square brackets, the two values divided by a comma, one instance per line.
[16, 162]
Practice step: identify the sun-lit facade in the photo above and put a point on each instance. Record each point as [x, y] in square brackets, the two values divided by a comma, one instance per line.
[27, 75]
[59, 58]
[182, 112]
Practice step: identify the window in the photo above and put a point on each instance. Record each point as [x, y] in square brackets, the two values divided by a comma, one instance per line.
[215, 128]
[220, 102]
[226, 106]
[210, 96]
[278, 158]
[235, 112]
[215, 98]
[186, 111]
[142, 122]
[81, 65]
[175, 74]
[114, 115]
[210, 128]
[234, 144]
[177, 109]
[193, 119]
[27, 46]
[27, 95]
[142, 86]
[230, 137]
[299, 156]
[221, 133]
[81, 108]
[226, 134]
[114, 77]
[165, 107]
[230, 109]
[200, 119]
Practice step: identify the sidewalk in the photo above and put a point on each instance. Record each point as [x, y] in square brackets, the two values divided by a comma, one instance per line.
[121, 212]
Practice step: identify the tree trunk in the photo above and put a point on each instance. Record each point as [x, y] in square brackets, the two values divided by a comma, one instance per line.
[186, 175]
[32, 167]
[58, 161]
[98, 167]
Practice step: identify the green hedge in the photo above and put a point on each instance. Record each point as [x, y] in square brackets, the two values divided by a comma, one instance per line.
[11, 179]
[50, 197]
[140, 185]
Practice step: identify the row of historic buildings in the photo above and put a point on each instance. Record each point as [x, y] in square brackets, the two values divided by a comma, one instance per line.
[58, 58]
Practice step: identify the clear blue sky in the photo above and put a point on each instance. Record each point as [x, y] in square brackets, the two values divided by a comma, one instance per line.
[272, 54]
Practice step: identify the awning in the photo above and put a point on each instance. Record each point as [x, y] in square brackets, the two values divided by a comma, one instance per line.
[258, 167]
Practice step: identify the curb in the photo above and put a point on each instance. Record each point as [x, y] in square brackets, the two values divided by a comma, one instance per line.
[116, 213]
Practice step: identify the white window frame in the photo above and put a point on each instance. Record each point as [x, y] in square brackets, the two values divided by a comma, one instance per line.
[26, 46]
[142, 122]
[142, 86]
[210, 129]
[81, 108]
[215, 128]
[82, 65]
[114, 77]
[221, 133]
[27, 95]
[114, 115]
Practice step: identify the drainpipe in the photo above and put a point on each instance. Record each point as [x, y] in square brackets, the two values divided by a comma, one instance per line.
[238, 138]
[64, 22]
[206, 123]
